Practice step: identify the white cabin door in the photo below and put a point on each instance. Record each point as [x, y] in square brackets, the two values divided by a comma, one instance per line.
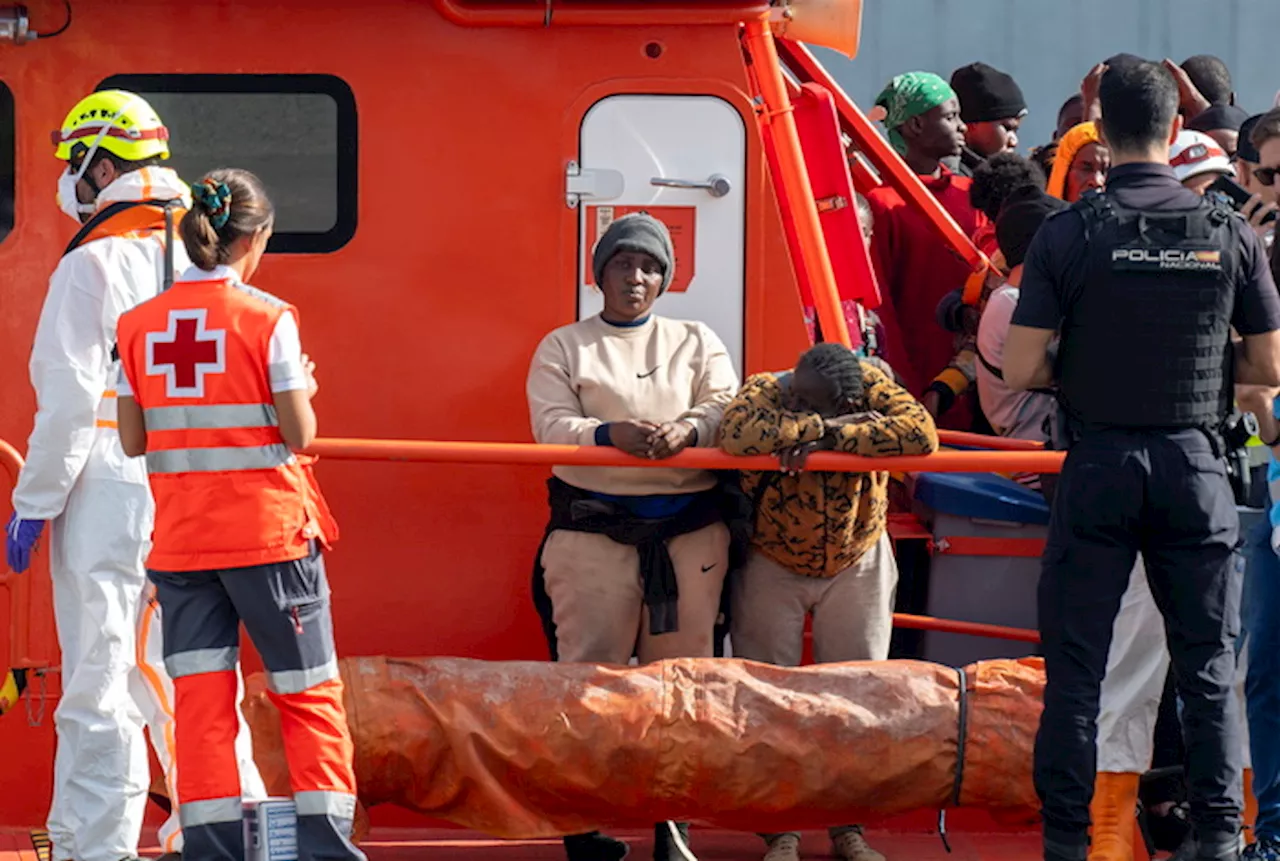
[683, 160]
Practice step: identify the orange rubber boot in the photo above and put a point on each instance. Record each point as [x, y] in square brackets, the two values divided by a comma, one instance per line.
[1113, 811]
[1250, 806]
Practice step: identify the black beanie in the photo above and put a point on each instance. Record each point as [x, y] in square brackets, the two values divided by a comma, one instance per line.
[1218, 117]
[1024, 211]
[638, 232]
[986, 94]
[1245, 148]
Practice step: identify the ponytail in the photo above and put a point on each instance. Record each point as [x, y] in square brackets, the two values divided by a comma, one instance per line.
[227, 205]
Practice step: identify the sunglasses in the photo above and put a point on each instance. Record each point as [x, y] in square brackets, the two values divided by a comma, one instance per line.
[1266, 175]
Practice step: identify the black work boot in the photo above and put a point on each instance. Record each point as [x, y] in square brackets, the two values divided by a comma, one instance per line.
[594, 846]
[664, 846]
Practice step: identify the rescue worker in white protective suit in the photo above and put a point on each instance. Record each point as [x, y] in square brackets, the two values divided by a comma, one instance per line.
[1137, 666]
[76, 475]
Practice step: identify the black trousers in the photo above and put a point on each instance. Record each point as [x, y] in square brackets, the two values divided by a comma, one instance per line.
[1166, 495]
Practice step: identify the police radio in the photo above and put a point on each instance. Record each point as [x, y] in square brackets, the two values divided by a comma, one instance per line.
[1237, 430]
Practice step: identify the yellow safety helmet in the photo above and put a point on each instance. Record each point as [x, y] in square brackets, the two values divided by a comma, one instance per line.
[120, 122]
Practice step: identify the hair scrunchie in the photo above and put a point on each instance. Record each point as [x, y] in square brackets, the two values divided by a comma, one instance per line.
[216, 198]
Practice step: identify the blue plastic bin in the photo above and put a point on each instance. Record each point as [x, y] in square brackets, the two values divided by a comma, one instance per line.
[998, 590]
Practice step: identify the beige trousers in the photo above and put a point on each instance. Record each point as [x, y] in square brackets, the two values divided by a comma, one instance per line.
[852, 611]
[852, 616]
[597, 596]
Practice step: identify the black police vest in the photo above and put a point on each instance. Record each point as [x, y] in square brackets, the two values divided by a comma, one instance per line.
[1146, 341]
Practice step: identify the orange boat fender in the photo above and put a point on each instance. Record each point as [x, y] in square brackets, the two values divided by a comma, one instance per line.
[530, 750]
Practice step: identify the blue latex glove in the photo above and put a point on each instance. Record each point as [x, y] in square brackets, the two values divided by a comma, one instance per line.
[20, 537]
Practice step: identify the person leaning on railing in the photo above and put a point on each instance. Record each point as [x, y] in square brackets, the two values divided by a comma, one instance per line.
[634, 559]
[820, 545]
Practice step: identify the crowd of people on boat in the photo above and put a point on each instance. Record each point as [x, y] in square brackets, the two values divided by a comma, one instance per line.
[633, 557]
[208, 381]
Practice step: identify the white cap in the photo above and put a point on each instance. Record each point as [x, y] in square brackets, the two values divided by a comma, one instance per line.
[1195, 153]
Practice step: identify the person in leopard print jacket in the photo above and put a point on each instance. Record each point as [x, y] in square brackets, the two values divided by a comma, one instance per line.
[820, 545]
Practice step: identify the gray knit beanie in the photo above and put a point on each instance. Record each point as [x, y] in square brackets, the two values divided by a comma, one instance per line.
[639, 232]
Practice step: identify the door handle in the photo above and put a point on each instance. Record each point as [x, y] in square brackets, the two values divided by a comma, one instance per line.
[715, 185]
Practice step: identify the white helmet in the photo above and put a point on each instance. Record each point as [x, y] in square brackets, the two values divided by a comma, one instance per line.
[1195, 153]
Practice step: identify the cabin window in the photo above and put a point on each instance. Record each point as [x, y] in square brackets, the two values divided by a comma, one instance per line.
[296, 132]
[8, 172]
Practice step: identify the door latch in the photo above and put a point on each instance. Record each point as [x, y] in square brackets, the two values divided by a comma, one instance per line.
[715, 185]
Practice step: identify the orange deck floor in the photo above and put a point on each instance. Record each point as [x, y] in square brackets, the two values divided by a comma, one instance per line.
[386, 844]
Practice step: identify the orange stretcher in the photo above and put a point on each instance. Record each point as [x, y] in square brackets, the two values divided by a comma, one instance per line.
[528, 750]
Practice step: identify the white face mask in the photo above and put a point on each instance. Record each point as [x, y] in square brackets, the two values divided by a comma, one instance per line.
[67, 200]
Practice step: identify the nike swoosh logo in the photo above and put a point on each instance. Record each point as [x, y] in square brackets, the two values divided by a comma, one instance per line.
[706, 568]
[650, 374]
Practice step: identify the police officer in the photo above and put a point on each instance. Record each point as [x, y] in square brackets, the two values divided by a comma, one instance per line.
[1144, 282]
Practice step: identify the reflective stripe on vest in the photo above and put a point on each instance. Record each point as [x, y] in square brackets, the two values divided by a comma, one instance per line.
[214, 417]
[167, 461]
[215, 459]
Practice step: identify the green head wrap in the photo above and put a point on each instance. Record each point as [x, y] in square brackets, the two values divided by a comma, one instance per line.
[908, 96]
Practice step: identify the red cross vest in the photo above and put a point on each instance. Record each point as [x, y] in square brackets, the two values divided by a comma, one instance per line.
[229, 492]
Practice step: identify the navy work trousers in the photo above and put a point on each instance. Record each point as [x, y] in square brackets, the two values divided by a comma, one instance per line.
[1164, 495]
[285, 609]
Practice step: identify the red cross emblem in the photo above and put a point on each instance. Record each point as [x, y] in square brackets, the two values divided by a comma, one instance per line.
[185, 352]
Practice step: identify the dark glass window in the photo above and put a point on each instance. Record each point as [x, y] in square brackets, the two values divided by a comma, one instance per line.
[296, 132]
[8, 171]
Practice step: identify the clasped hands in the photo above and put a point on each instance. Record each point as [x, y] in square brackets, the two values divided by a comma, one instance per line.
[652, 440]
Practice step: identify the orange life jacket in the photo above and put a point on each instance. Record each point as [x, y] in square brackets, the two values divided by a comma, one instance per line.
[229, 492]
[127, 219]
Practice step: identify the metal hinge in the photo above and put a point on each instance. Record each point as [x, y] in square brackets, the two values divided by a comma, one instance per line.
[15, 26]
[593, 183]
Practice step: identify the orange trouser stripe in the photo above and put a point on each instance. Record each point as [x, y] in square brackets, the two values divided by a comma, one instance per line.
[152, 679]
[107, 423]
[317, 742]
[206, 726]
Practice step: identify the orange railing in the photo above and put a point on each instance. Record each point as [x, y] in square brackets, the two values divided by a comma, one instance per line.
[22, 609]
[996, 443]
[973, 629]
[527, 454]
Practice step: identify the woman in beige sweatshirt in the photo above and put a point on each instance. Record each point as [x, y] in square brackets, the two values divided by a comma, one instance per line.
[634, 558]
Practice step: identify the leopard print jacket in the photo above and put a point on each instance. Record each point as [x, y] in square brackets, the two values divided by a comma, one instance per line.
[818, 524]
